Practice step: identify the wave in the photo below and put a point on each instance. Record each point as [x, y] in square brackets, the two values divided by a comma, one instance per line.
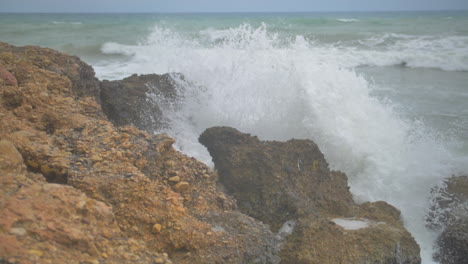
[347, 20]
[249, 79]
[447, 53]
[67, 22]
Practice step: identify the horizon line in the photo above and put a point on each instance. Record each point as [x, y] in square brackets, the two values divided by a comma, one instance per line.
[232, 12]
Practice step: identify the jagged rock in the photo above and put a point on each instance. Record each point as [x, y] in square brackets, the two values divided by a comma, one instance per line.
[289, 185]
[81, 75]
[257, 241]
[276, 181]
[114, 181]
[133, 100]
[449, 214]
[380, 238]
[43, 222]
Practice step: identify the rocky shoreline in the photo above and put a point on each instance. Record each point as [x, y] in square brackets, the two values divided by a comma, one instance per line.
[82, 180]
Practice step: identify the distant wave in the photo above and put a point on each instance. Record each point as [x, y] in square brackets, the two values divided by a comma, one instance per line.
[448, 53]
[347, 20]
[67, 22]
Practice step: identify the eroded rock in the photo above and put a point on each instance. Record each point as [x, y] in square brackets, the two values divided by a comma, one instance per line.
[290, 182]
[135, 100]
[115, 202]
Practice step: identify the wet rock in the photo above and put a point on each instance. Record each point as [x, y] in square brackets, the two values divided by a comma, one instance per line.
[453, 243]
[276, 181]
[254, 239]
[289, 186]
[134, 100]
[449, 216]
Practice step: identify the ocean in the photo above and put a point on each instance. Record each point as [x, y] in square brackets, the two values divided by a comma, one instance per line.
[383, 94]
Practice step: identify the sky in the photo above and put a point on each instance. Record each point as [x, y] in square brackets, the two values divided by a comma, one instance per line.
[163, 6]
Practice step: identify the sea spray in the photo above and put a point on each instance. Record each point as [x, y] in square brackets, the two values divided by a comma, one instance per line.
[282, 88]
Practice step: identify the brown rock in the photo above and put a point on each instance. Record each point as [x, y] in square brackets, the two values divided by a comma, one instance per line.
[181, 187]
[7, 78]
[11, 161]
[174, 179]
[13, 98]
[157, 228]
[97, 204]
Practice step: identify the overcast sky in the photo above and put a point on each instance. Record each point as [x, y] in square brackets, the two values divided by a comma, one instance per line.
[226, 6]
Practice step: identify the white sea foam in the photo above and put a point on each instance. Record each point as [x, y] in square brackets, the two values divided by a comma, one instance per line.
[214, 35]
[253, 82]
[346, 20]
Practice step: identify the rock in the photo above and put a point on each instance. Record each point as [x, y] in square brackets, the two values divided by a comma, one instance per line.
[157, 228]
[36, 252]
[276, 181]
[449, 216]
[7, 78]
[289, 186]
[96, 158]
[321, 240]
[253, 238]
[134, 100]
[11, 162]
[18, 231]
[82, 76]
[12, 99]
[453, 243]
[174, 179]
[74, 186]
[181, 187]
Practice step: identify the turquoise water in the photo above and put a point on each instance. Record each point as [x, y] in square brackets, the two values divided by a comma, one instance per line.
[384, 95]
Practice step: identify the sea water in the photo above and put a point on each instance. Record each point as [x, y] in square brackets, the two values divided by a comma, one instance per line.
[384, 95]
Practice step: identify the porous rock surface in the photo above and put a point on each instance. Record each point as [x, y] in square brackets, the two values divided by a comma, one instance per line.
[276, 182]
[136, 100]
[449, 216]
[74, 188]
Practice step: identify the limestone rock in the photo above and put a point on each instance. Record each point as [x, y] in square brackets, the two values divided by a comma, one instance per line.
[289, 186]
[74, 188]
[81, 75]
